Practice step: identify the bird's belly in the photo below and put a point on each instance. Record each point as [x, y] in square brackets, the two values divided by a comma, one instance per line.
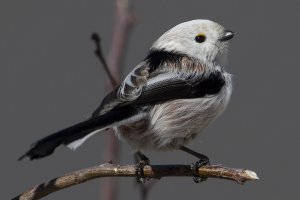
[174, 123]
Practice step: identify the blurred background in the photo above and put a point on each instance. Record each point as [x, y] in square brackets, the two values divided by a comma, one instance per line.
[50, 79]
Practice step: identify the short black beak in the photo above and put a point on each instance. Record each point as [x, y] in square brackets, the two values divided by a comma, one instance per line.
[227, 36]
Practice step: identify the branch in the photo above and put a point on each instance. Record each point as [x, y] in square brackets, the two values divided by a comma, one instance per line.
[153, 171]
[98, 52]
[123, 22]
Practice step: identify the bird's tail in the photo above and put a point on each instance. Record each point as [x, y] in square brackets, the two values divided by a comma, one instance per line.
[75, 135]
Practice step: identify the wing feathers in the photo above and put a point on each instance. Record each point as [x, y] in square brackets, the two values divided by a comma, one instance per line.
[128, 91]
[75, 144]
[173, 88]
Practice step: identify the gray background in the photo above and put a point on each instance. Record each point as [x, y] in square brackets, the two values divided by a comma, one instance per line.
[50, 79]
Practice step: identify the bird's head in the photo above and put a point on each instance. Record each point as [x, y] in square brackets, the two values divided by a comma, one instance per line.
[200, 39]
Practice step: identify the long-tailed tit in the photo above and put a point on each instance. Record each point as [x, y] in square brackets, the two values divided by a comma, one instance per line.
[166, 100]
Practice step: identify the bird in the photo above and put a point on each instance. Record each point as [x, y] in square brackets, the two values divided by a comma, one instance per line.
[166, 100]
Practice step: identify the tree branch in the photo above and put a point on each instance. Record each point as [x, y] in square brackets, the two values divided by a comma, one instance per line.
[123, 22]
[153, 171]
[98, 52]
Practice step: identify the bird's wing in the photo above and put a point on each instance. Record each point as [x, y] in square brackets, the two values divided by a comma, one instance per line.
[128, 91]
[162, 88]
[174, 87]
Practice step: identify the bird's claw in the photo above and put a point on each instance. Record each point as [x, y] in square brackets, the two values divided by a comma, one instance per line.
[195, 166]
[139, 171]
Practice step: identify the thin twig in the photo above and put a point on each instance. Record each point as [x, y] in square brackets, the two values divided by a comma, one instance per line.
[98, 52]
[153, 171]
[123, 21]
[146, 187]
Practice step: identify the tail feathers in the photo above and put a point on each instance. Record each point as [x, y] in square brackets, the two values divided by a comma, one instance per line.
[75, 135]
[39, 150]
[74, 145]
[47, 145]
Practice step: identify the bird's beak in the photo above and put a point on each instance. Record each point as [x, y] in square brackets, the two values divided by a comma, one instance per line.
[226, 36]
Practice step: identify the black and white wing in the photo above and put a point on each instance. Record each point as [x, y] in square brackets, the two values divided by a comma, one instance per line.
[159, 89]
[128, 91]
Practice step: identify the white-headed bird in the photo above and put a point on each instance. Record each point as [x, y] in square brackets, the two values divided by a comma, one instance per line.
[166, 100]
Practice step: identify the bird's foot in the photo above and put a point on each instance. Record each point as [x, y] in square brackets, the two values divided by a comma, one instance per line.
[195, 166]
[139, 169]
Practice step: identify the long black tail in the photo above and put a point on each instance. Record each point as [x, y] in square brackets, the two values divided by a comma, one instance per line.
[47, 145]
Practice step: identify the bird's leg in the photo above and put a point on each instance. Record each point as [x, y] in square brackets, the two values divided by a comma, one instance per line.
[203, 160]
[143, 161]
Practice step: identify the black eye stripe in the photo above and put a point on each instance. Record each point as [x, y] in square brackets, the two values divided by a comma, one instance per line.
[200, 38]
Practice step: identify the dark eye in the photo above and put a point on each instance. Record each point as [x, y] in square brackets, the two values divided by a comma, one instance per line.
[200, 38]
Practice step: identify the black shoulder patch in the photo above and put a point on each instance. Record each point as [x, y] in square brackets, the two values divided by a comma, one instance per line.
[156, 57]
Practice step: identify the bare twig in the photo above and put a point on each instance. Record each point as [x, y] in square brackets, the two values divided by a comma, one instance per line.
[123, 21]
[153, 171]
[122, 25]
[95, 37]
[146, 187]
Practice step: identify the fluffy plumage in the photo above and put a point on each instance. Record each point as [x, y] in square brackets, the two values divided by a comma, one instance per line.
[167, 99]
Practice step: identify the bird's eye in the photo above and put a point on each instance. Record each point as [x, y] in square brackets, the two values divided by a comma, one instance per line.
[200, 38]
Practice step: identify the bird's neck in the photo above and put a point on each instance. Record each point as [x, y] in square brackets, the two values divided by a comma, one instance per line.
[161, 60]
